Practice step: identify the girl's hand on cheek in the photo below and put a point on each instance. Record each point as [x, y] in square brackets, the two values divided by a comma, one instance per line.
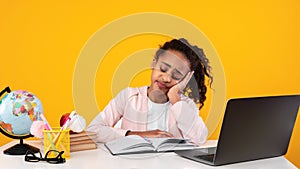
[174, 92]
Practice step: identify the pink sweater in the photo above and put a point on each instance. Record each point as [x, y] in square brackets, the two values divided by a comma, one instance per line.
[131, 104]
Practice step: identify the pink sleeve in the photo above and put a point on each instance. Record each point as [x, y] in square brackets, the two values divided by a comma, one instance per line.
[189, 121]
[103, 123]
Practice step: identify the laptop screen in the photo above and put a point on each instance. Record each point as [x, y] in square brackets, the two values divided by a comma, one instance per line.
[256, 128]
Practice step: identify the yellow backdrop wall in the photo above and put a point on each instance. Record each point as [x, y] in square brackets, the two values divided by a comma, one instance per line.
[257, 42]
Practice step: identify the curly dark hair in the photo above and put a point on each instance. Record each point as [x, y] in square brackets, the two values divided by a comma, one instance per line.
[199, 64]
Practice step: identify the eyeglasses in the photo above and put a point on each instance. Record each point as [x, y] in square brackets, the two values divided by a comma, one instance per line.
[58, 159]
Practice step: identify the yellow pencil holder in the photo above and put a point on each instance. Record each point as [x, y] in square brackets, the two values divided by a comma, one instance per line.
[57, 140]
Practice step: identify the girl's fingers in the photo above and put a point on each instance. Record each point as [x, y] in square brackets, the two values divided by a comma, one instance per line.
[185, 81]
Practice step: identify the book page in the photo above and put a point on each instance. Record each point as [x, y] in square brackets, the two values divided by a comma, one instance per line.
[130, 143]
[170, 144]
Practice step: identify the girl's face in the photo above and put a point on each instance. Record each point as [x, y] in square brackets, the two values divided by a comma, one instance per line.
[168, 70]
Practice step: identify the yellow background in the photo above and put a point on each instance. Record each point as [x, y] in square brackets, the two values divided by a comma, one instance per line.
[257, 42]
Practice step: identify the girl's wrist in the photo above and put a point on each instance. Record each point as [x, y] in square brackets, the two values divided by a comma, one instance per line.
[174, 99]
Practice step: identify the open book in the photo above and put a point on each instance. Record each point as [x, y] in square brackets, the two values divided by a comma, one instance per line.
[136, 144]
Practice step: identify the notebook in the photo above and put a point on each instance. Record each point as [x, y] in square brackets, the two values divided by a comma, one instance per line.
[253, 128]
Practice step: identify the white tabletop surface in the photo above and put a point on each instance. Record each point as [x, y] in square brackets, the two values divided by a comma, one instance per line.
[101, 158]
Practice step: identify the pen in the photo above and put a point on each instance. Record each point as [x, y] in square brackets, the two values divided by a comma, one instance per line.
[47, 127]
[148, 140]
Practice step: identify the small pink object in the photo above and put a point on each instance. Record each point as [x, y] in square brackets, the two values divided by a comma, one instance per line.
[36, 129]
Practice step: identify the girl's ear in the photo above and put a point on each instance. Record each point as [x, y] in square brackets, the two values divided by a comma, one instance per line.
[153, 63]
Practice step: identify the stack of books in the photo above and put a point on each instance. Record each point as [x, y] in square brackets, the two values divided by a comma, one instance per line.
[82, 141]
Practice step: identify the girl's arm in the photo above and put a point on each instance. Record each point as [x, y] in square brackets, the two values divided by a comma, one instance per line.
[103, 123]
[187, 113]
[188, 121]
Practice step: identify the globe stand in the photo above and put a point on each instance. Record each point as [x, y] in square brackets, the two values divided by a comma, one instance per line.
[20, 149]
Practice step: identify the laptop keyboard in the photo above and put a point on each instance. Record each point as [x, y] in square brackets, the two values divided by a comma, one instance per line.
[208, 157]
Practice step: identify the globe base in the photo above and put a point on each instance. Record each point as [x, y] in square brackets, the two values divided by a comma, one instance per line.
[20, 149]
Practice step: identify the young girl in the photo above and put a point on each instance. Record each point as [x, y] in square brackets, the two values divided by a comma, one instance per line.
[161, 110]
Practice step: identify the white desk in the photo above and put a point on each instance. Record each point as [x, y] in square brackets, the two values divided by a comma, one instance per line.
[101, 158]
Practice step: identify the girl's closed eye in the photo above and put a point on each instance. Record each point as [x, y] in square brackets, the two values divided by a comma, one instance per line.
[176, 76]
[163, 68]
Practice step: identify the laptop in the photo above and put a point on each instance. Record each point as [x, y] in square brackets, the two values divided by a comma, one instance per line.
[253, 128]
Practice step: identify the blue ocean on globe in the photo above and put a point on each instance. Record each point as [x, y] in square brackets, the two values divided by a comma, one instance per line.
[18, 109]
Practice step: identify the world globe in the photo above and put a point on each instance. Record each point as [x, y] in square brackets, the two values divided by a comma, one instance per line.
[18, 110]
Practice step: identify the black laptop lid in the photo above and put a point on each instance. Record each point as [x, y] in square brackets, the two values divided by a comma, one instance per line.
[256, 128]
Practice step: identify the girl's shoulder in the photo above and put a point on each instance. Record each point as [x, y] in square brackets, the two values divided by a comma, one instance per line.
[134, 91]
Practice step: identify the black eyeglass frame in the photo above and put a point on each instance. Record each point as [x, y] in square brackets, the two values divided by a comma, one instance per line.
[31, 157]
